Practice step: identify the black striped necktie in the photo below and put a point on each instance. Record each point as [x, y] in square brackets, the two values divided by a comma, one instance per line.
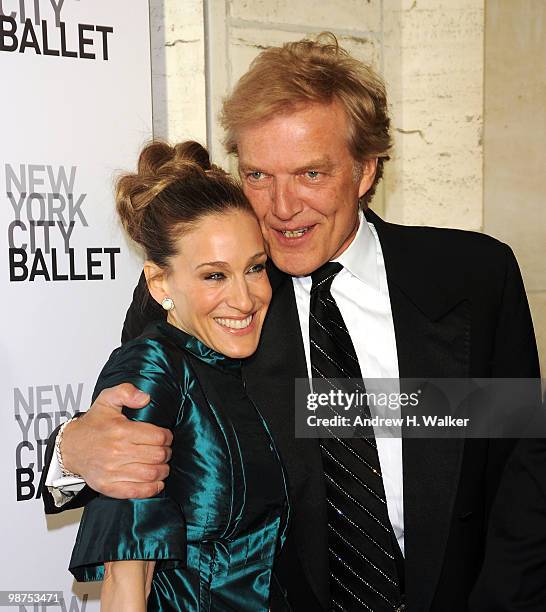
[363, 570]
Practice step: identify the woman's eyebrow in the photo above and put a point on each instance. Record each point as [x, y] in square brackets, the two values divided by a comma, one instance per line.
[257, 255]
[224, 264]
[217, 264]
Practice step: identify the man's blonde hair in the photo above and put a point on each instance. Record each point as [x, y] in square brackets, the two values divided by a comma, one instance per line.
[283, 78]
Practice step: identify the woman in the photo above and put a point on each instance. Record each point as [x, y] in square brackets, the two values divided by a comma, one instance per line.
[208, 541]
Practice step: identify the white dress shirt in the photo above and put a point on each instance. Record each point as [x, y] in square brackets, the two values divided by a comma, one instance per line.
[62, 488]
[362, 295]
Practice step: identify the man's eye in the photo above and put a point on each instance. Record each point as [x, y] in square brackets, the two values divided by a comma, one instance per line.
[255, 176]
[312, 174]
[257, 268]
[215, 276]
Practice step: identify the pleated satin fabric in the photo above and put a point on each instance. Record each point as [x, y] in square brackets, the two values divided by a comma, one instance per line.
[215, 529]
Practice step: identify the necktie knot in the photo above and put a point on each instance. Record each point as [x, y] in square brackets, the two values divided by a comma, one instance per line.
[324, 276]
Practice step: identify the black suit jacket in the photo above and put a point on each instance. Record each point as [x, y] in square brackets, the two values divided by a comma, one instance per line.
[513, 577]
[459, 310]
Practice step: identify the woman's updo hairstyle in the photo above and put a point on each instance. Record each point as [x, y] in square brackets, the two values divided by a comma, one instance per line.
[173, 188]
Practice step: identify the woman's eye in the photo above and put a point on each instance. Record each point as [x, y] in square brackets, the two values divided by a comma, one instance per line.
[257, 268]
[215, 276]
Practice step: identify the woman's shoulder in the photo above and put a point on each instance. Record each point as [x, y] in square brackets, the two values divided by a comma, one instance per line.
[153, 345]
[153, 357]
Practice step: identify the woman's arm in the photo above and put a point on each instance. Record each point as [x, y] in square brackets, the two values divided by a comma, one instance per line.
[149, 529]
[126, 586]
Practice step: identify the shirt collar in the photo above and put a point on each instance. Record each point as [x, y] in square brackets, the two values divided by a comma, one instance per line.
[360, 257]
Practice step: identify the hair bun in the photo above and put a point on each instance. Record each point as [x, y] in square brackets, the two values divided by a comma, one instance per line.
[159, 166]
[161, 159]
[172, 189]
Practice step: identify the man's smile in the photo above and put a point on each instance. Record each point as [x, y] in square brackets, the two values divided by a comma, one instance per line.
[297, 233]
[293, 235]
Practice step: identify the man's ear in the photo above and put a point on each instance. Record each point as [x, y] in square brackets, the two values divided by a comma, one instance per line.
[368, 169]
[156, 281]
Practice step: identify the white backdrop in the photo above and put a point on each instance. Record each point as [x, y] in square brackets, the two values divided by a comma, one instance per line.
[76, 107]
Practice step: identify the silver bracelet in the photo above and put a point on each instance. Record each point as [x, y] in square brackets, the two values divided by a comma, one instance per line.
[58, 443]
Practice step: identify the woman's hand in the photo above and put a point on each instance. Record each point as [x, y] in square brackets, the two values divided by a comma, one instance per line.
[126, 585]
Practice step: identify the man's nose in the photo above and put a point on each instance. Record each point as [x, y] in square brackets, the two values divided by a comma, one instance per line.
[240, 296]
[284, 200]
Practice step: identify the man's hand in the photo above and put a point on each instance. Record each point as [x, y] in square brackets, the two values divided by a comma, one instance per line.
[117, 457]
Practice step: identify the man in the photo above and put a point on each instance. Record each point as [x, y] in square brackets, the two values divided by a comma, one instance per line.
[310, 128]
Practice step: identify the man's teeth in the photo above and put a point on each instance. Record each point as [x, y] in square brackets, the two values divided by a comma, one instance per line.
[235, 323]
[295, 233]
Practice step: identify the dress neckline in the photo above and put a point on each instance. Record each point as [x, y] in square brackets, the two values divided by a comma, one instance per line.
[200, 350]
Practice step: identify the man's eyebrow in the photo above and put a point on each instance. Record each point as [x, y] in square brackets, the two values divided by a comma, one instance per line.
[243, 167]
[321, 163]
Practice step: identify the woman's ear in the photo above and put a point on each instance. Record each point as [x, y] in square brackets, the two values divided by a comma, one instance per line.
[156, 281]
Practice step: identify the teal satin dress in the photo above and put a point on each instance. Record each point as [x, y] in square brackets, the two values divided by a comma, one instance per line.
[215, 529]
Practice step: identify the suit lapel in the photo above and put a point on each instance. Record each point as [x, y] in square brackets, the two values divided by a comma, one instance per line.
[432, 326]
[270, 381]
[431, 467]
[270, 374]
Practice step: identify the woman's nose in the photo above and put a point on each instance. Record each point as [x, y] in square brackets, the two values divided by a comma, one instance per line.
[240, 296]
